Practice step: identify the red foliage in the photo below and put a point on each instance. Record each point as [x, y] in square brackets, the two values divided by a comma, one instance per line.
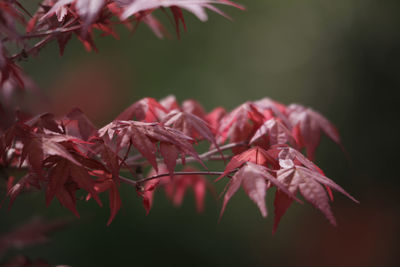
[64, 156]
[67, 155]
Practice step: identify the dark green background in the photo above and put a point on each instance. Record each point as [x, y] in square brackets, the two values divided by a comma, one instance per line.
[339, 57]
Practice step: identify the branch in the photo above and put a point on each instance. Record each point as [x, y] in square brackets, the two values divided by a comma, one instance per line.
[51, 32]
[141, 181]
[24, 53]
[205, 156]
[220, 149]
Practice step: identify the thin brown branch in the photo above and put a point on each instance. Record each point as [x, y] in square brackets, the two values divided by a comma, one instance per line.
[209, 155]
[51, 32]
[177, 174]
[24, 53]
[128, 181]
[141, 181]
[220, 149]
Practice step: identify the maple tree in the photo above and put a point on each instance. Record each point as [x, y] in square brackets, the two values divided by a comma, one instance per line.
[261, 141]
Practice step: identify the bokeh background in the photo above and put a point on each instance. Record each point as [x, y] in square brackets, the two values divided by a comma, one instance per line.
[339, 57]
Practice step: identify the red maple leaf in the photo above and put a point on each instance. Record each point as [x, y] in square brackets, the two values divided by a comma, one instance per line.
[309, 182]
[310, 123]
[144, 136]
[193, 107]
[240, 124]
[272, 109]
[146, 109]
[214, 118]
[273, 132]
[169, 103]
[64, 179]
[189, 124]
[255, 155]
[255, 179]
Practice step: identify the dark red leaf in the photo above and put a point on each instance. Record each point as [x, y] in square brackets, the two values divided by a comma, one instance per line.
[240, 124]
[146, 109]
[255, 155]
[310, 125]
[254, 178]
[273, 132]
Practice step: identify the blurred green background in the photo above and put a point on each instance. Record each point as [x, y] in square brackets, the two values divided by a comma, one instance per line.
[339, 57]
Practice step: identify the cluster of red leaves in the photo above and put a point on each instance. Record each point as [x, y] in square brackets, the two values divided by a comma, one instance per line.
[59, 20]
[65, 156]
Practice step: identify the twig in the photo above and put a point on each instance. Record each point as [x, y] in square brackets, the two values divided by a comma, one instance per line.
[177, 174]
[141, 181]
[51, 32]
[205, 156]
[37, 46]
[128, 181]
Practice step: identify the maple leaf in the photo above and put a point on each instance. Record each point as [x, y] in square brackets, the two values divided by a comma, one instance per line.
[272, 109]
[169, 103]
[146, 109]
[43, 122]
[189, 124]
[273, 132]
[107, 182]
[193, 107]
[38, 142]
[77, 124]
[255, 179]
[214, 118]
[147, 190]
[288, 155]
[240, 124]
[147, 193]
[310, 123]
[255, 155]
[143, 137]
[309, 184]
[41, 146]
[64, 179]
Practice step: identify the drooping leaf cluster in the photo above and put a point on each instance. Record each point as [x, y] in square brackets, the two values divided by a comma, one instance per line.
[262, 140]
[24, 32]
